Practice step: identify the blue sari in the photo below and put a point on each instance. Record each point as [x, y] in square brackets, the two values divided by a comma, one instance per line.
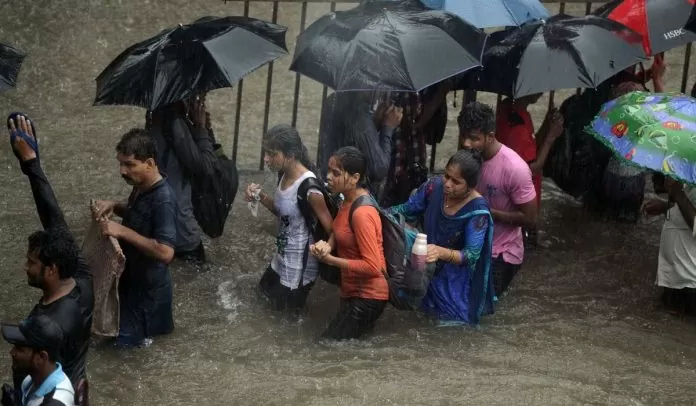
[457, 293]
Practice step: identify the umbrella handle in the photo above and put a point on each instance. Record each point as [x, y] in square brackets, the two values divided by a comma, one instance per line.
[643, 74]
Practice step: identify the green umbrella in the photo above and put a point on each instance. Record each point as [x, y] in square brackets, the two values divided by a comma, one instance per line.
[653, 131]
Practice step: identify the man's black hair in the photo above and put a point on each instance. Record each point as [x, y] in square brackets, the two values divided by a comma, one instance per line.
[138, 144]
[476, 116]
[56, 247]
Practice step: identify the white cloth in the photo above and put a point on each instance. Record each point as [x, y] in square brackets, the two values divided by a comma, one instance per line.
[676, 266]
[293, 237]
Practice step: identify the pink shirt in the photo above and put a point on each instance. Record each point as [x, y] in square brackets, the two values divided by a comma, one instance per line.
[506, 182]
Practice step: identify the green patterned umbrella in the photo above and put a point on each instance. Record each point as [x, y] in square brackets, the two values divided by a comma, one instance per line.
[651, 130]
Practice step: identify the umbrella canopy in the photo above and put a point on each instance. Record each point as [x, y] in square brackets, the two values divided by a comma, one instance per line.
[210, 53]
[660, 22]
[10, 62]
[559, 53]
[652, 131]
[691, 23]
[387, 45]
[493, 13]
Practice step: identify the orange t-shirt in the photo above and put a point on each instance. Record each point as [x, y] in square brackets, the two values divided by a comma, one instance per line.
[362, 246]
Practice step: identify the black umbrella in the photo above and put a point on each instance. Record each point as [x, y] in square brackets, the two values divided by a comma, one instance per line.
[10, 62]
[660, 22]
[387, 45]
[691, 23]
[178, 63]
[559, 53]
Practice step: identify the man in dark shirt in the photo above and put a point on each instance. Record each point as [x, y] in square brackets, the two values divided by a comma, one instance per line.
[54, 263]
[147, 236]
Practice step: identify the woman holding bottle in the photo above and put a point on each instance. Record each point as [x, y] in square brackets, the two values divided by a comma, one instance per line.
[459, 229]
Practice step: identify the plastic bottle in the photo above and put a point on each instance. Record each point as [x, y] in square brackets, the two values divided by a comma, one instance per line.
[419, 252]
[254, 205]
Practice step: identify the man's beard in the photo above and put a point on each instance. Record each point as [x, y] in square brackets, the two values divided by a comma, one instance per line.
[36, 281]
[20, 369]
[128, 180]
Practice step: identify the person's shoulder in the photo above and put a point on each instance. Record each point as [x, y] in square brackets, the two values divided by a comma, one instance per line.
[309, 175]
[480, 203]
[513, 161]
[366, 213]
[165, 192]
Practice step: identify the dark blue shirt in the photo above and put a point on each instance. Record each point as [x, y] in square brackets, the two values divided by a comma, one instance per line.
[152, 214]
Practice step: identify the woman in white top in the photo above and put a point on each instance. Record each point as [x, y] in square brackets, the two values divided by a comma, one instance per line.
[676, 266]
[292, 271]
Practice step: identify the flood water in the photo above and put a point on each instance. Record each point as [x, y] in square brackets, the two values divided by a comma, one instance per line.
[581, 325]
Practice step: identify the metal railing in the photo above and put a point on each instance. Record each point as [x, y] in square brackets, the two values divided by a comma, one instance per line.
[469, 95]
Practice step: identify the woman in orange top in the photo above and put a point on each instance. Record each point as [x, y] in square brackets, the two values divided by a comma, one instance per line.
[364, 289]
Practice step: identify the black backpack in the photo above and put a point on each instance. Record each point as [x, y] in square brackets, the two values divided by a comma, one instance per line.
[328, 273]
[407, 286]
[212, 196]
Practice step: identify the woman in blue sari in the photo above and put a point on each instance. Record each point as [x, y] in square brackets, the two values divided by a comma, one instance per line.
[459, 226]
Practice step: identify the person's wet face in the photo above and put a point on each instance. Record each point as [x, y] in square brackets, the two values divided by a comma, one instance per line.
[338, 179]
[23, 359]
[34, 269]
[38, 274]
[454, 185]
[134, 171]
[274, 160]
[474, 140]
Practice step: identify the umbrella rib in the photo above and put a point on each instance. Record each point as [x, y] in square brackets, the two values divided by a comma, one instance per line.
[510, 13]
[154, 73]
[401, 46]
[582, 67]
[230, 29]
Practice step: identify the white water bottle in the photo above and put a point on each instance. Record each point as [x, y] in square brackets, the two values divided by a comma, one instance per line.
[419, 252]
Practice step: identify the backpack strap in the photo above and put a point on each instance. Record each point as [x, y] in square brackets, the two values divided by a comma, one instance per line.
[302, 201]
[303, 204]
[364, 200]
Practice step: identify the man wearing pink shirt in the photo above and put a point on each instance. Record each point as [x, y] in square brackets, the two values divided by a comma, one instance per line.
[506, 182]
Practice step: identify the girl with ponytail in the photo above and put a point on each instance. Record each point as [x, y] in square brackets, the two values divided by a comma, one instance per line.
[291, 274]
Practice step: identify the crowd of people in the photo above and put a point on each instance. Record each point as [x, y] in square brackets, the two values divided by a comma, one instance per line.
[476, 216]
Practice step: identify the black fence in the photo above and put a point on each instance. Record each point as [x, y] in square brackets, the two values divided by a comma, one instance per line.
[589, 6]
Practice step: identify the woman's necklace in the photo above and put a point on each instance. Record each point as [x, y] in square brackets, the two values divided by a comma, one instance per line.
[448, 204]
[455, 204]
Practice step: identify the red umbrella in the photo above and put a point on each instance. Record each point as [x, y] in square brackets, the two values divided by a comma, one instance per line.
[660, 22]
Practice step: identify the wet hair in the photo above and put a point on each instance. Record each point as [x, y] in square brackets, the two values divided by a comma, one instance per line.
[477, 116]
[56, 247]
[137, 143]
[352, 161]
[469, 163]
[285, 138]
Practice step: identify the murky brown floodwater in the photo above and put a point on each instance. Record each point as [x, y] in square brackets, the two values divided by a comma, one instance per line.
[581, 324]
